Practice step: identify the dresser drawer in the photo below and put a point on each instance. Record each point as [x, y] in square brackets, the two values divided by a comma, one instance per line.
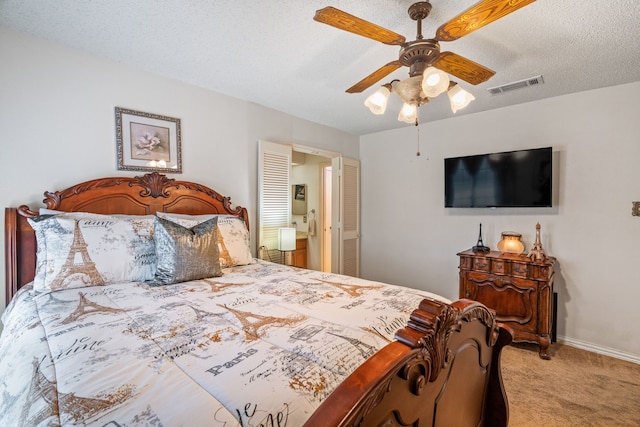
[481, 264]
[500, 281]
[542, 272]
[520, 269]
[499, 266]
[466, 263]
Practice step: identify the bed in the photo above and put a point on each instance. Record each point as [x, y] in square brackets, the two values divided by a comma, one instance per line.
[135, 301]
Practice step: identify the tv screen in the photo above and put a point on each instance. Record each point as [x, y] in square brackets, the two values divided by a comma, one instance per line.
[509, 179]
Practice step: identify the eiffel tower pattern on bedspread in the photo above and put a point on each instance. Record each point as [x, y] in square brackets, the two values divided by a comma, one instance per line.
[262, 344]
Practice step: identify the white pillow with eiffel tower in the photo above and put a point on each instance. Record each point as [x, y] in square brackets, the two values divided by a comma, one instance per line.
[233, 236]
[78, 250]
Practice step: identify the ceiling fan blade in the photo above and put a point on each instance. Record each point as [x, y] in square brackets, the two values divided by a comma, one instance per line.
[374, 77]
[463, 68]
[479, 15]
[344, 21]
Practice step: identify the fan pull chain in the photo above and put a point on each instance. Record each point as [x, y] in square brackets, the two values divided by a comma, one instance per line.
[418, 128]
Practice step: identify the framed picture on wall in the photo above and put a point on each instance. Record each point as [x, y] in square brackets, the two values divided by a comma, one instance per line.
[148, 142]
[300, 192]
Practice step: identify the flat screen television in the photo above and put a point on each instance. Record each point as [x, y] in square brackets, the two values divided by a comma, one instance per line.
[520, 178]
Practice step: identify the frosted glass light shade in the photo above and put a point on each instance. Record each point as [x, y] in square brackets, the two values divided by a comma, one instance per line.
[410, 91]
[377, 102]
[459, 97]
[408, 114]
[287, 239]
[511, 242]
[434, 82]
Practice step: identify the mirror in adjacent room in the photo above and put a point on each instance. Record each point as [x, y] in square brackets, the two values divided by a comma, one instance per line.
[299, 199]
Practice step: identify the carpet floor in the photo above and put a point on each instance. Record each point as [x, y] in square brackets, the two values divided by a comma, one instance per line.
[574, 388]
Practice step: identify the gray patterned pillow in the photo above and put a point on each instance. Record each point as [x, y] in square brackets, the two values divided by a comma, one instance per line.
[185, 254]
[233, 236]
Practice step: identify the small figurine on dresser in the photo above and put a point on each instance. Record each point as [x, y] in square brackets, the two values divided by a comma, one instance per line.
[537, 252]
[480, 247]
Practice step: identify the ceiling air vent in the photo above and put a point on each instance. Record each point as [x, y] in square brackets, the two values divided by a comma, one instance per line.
[531, 81]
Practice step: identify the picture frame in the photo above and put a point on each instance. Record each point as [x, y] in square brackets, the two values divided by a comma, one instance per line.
[300, 191]
[148, 142]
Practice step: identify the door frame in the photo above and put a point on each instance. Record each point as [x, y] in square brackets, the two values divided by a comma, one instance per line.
[330, 156]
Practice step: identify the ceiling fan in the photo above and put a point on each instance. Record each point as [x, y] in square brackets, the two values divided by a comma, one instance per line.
[421, 53]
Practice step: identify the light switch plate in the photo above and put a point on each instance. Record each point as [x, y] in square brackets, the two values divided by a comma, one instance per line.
[635, 208]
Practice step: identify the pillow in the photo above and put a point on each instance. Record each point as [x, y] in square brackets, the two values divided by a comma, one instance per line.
[185, 254]
[233, 236]
[80, 249]
[41, 252]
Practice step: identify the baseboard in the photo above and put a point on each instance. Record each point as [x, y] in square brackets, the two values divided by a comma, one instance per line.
[606, 351]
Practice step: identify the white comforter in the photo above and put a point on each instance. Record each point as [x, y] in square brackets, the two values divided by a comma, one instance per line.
[262, 345]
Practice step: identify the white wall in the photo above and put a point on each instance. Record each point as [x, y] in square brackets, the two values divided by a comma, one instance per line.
[57, 125]
[595, 136]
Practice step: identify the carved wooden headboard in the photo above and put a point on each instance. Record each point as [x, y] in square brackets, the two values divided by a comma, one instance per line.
[140, 195]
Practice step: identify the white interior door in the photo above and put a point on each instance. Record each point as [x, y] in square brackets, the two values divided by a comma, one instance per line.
[274, 196]
[345, 250]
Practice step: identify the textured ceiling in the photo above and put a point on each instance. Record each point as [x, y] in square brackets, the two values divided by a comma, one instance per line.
[273, 53]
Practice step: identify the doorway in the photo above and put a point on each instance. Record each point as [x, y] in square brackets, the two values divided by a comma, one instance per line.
[314, 225]
[278, 173]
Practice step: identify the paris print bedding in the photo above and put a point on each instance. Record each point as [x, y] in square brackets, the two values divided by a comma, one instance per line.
[256, 344]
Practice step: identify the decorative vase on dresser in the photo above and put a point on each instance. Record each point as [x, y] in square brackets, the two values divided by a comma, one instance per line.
[518, 288]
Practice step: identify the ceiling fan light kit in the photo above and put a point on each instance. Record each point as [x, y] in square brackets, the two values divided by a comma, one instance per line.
[459, 97]
[377, 103]
[428, 67]
[417, 91]
[434, 82]
[408, 113]
[410, 90]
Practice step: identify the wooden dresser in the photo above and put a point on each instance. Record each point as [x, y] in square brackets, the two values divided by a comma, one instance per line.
[519, 289]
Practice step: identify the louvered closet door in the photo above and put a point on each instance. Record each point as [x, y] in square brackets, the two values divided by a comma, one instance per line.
[274, 195]
[346, 195]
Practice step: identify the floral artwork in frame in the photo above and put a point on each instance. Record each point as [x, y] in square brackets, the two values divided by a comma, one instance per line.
[148, 142]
